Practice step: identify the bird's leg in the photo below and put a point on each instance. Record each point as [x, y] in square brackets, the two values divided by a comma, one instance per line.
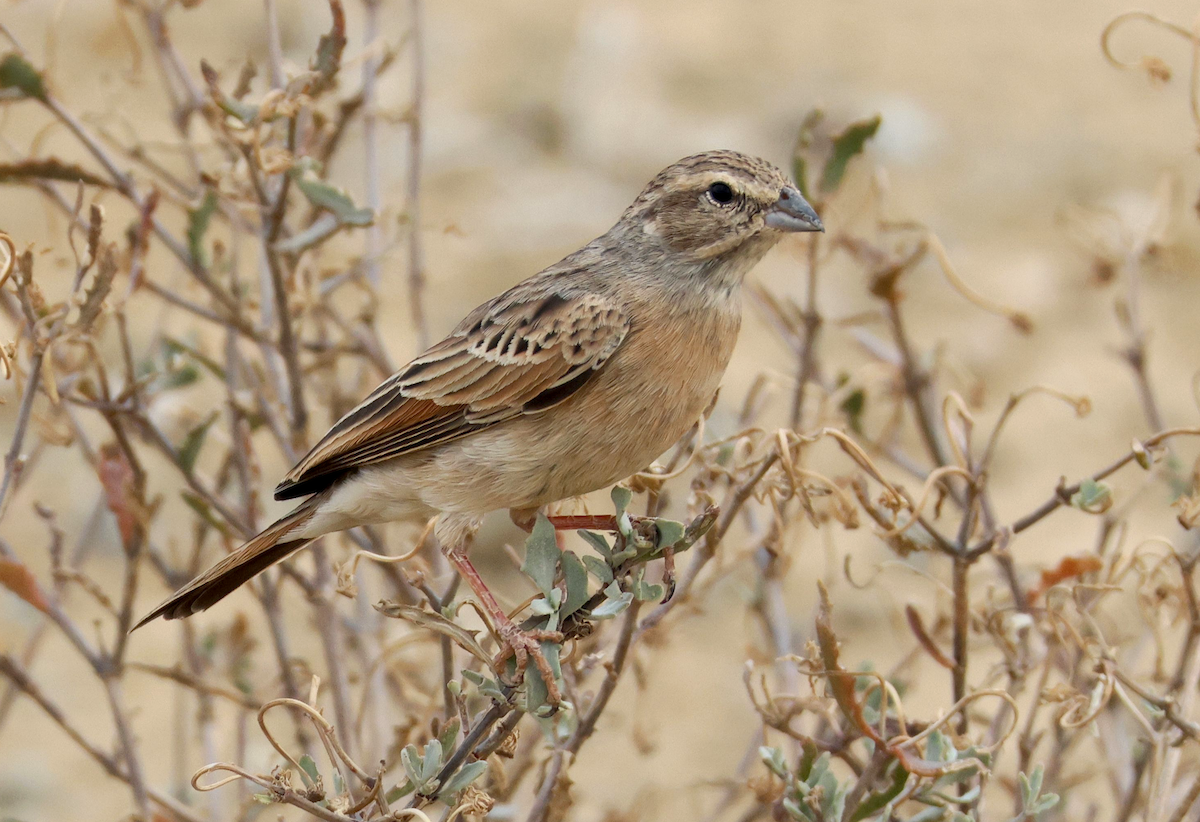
[520, 645]
[586, 522]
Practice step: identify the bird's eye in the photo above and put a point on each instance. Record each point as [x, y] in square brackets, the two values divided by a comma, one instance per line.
[720, 193]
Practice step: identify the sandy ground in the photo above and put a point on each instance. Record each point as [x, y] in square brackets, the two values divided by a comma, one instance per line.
[544, 117]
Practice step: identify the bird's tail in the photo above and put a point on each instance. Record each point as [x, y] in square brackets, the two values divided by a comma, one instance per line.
[264, 550]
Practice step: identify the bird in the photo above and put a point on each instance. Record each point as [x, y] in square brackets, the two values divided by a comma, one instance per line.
[568, 382]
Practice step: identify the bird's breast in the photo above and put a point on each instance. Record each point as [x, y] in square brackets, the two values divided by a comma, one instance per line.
[641, 402]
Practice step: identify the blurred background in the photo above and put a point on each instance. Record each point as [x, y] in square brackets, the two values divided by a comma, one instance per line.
[1004, 130]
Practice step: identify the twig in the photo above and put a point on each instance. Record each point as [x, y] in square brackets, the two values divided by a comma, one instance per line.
[416, 263]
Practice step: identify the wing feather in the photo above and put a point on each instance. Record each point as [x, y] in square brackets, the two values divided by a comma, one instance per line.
[522, 353]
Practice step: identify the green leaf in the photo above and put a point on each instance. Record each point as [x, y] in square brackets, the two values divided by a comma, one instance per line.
[198, 220]
[541, 555]
[804, 140]
[173, 347]
[846, 146]
[599, 569]
[16, 72]
[800, 174]
[465, 776]
[449, 734]
[400, 791]
[202, 509]
[853, 407]
[334, 200]
[881, 799]
[486, 687]
[331, 46]
[1093, 497]
[575, 576]
[190, 449]
[263, 798]
[309, 772]
[808, 757]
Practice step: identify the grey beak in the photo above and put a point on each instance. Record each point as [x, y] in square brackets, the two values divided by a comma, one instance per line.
[793, 213]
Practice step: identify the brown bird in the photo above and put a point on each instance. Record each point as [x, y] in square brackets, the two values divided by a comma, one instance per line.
[566, 383]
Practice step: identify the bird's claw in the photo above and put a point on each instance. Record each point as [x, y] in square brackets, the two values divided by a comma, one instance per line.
[521, 646]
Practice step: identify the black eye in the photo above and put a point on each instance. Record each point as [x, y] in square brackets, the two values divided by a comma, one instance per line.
[720, 193]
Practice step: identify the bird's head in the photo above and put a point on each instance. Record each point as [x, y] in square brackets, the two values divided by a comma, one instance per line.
[719, 205]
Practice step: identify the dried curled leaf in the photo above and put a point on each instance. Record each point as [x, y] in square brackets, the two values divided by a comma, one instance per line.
[1068, 568]
[20, 580]
[438, 624]
[101, 286]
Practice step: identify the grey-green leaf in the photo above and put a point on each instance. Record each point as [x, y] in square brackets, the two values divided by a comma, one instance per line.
[1093, 497]
[621, 497]
[599, 569]
[465, 776]
[309, 771]
[575, 576]
[541, 555]
[198, 220]
[611, 607]
[598, 542]
[669, 532]
[413, 763]
[334, 200]
[190, 450]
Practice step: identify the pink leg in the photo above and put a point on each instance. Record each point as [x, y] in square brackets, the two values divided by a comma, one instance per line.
[521, 645]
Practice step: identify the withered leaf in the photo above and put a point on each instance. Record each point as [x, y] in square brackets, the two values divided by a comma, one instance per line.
[93, 301]
[20, 580]
[49, 168]
[438, 624]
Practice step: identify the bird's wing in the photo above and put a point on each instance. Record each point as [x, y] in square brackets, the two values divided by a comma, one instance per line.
[519, 354]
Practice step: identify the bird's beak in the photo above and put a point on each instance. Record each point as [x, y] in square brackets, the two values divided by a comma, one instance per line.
[793, 213]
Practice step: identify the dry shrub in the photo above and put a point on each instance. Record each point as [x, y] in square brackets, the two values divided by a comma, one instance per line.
[244, 240]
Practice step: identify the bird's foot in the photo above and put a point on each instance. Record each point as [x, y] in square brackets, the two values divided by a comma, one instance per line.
[522, 646]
